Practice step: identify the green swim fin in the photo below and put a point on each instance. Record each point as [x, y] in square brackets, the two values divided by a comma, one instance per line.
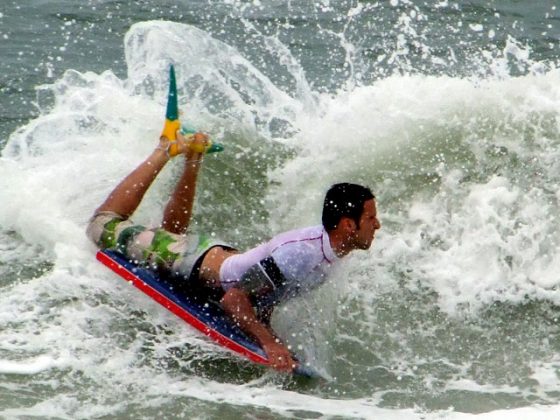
[172, 123]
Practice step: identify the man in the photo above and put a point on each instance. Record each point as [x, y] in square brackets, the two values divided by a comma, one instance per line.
[252, 283]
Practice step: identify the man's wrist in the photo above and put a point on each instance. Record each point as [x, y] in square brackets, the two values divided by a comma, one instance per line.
[160, 154]
[267, 338]
[194, 158]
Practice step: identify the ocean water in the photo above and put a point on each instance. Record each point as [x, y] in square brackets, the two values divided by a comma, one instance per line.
[448, 110]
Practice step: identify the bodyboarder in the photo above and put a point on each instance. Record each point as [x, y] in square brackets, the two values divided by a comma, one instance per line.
[249, 284]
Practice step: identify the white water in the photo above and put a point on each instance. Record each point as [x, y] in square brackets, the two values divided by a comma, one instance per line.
[466, 177]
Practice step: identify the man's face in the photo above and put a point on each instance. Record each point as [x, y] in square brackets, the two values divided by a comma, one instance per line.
[363, 236]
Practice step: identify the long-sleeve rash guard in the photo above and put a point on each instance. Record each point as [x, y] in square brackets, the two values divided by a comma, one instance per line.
[302, 257]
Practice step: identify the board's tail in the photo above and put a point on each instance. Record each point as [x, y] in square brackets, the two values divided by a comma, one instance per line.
[172, 123]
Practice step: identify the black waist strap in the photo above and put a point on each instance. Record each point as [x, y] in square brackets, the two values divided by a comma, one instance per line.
[273, 272]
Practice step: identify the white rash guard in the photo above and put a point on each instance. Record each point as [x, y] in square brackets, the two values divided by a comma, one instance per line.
[302, 256]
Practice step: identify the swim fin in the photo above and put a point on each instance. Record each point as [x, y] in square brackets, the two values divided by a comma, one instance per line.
[172, 123]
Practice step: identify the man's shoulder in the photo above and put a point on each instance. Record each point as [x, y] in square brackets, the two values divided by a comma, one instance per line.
[308, 233]
[298, 251]
[302, 241]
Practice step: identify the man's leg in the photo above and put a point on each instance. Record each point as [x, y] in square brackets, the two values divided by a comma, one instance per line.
[178, 212]
[126, 197]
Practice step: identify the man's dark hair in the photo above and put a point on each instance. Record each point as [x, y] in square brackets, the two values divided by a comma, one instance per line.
[344, 199]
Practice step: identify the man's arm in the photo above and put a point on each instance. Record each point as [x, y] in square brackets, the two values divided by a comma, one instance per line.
[237, 305]
[265, 315]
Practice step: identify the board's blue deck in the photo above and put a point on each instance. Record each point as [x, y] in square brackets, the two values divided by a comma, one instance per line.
[203, 310]
[206, 311]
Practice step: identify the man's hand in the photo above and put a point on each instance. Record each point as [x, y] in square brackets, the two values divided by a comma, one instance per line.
[237, 305]
[279, 356]
[193, 145]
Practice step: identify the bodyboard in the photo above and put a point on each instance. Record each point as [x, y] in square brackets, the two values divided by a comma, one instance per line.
[198, 311]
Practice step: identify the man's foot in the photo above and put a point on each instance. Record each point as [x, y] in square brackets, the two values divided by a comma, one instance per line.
[196, 143]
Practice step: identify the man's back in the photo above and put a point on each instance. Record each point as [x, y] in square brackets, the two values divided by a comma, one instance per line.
[302, 256]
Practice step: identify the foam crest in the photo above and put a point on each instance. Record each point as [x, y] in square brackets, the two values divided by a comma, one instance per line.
[216, 78]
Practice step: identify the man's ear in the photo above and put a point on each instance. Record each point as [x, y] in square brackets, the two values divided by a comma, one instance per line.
[347, 224]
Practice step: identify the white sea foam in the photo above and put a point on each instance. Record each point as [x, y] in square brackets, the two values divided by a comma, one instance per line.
[27, 367]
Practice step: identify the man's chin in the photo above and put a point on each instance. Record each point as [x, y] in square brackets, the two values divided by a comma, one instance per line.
[366, 245]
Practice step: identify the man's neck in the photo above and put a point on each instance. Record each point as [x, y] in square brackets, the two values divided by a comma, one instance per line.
[338, 243]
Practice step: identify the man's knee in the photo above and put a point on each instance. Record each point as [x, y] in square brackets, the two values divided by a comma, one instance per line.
[104, 228]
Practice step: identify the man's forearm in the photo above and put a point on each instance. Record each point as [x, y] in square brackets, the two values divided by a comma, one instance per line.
[238, 306]
[236, 303]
